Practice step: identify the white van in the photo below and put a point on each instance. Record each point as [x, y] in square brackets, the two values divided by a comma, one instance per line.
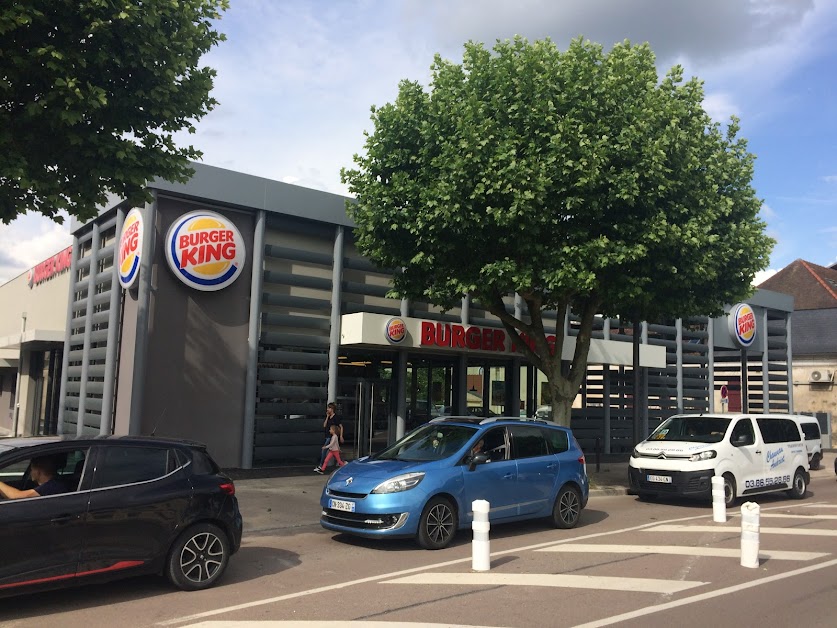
[754, 453]
[813, 439]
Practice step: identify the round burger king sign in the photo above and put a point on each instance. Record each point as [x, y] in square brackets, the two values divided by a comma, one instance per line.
[205, 250]
[130, 248]
[742, 324]
[396, 330]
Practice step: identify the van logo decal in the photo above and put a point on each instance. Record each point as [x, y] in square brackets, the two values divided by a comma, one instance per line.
[662, 455]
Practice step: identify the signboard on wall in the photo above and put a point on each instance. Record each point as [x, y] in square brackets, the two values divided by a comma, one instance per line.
[205, 250]
[130, 248]
[51, 267]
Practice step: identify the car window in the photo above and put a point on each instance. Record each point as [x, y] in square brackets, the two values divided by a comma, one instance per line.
[495, 444]
[202, 464]
[429, 442]
[778, 430]
[128, 465]
[744, 428]
[698, 429]
[528, 441]
[811, 431]
[68, 468]
[558, 440]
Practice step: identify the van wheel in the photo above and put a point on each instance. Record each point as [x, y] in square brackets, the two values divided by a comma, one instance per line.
[729, 490]
[799, 485]
[437, 525]
[815, 461]
[567, 508]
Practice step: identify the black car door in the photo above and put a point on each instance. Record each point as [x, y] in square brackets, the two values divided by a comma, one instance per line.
[139, 497]
[41, 537]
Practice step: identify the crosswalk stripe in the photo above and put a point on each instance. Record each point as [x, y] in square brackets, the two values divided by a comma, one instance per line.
[719, 552]
[610, 583]
[778, 515]
[788, 531]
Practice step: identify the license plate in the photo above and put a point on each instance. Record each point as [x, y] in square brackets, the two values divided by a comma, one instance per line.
[339, 504]
[664, 479]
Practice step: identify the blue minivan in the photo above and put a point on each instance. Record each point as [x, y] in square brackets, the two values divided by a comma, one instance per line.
[423, 485]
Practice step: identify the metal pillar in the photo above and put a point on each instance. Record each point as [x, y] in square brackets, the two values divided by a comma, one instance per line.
[253, 326]
[92, 271]
[65, 360]
[336, 297]
[106, 420]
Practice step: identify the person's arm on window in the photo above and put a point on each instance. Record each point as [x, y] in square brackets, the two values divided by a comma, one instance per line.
[10, 492]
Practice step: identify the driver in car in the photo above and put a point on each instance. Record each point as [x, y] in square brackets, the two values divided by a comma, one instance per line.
[43, 472]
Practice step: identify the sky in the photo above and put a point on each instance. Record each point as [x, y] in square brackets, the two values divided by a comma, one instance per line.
[296, 80]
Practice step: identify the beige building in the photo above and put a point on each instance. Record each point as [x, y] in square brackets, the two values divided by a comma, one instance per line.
[33, 320]
[814, 290]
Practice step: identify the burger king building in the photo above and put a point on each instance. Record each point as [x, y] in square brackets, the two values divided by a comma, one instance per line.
[232, 308]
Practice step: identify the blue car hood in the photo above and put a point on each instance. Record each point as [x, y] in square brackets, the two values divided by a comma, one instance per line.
[367, 474]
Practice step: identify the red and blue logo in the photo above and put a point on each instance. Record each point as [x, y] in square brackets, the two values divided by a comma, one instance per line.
[130, 248]
[396, 330]
[205, 250]
[742, 323]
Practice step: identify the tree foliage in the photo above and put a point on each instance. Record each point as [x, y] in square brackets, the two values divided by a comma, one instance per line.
[91, 92]
[576, 179]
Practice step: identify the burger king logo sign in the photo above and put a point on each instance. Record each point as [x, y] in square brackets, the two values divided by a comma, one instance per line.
[205, 250]
[742, 324]
[130, 248]
[396, 330]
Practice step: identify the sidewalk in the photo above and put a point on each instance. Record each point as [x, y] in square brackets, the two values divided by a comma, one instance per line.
[286, 500]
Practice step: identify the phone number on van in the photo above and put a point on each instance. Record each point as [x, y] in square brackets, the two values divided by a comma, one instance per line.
[762, 482]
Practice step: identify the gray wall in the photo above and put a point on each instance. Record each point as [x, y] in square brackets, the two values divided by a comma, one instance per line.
[197, 349]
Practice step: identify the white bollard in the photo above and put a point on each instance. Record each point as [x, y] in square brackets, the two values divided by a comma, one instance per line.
[719, 506]
[480, 546]
[750, 534]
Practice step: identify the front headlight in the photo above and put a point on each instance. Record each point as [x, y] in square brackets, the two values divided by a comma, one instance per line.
[634, 453]
[704, 455]
[399, 483]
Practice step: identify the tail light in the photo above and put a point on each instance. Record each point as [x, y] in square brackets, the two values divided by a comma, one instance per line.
[228, 488]
[581, 459]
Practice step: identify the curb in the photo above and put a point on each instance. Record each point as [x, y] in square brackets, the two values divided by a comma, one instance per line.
[606, 491]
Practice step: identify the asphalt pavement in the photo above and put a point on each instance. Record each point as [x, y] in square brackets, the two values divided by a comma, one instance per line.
[286, 500]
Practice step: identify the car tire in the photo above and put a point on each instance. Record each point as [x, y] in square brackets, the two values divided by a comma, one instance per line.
[198, 557]
[816, 459]
[437, 525]
[567, 508]
[799, 485]
[730, 497]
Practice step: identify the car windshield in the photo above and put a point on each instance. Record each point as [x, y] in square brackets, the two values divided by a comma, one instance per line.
[427, 443]
[697, 429]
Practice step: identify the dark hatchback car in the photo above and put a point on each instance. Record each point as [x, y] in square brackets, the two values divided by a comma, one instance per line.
[129, 506]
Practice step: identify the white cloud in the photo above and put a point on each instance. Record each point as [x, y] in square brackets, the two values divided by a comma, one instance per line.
[832, 178]
[764, 275]
[28, 240]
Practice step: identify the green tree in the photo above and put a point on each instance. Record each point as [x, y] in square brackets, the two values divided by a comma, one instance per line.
[575, 179]
[91, 92]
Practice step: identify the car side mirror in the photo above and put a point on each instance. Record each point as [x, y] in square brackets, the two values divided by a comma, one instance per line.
[477, 459]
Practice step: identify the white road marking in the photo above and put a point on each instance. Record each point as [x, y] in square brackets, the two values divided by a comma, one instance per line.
[681, 550]
[701, 597]
[763, 530]
[784, 515]
[342, 585]
[818, 505]
[325, 624]
[608, 583]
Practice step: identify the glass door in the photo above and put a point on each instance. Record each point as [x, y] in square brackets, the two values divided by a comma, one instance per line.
[368, 415]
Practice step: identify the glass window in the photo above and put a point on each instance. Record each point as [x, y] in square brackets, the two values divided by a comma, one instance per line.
[744, 428]
[778, 430]
[496, 445]
[428, 442]
[528, 441]
[558, 440]
[811, 431]
[65, 465]
[202, 464]
[699, 429]
[128, 465]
